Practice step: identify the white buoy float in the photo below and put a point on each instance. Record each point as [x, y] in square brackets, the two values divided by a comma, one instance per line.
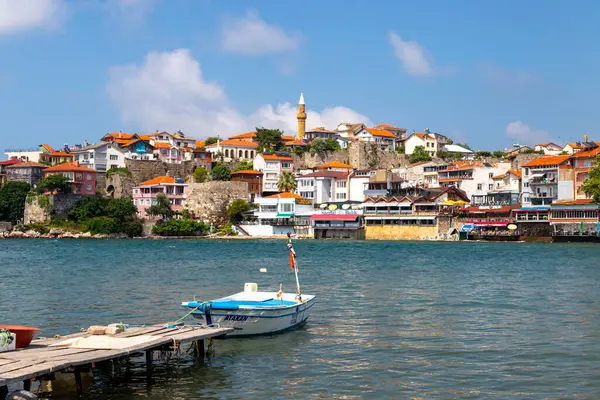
[263, 270]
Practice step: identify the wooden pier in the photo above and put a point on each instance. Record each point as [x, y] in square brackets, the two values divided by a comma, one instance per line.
[43, 357]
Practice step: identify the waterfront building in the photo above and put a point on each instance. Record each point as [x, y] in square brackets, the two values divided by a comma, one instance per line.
[279, 214]
[488, 222]
[100, 157]
[575, 220]
[414, 173]
[385, 140]
[505, 191]
[385, 183]
[145, 194]
[82, 179]
[583, 161]
[547, 179]
[473, 177]
[533, 223]
[338, 223]
[549, 149]
[28, 171]
[253, 179]
[329, 183]
[272, 166]
[177, 140]
[431, 174]
[3, 165]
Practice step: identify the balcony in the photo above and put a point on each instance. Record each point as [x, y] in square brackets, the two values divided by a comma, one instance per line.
[376, 192]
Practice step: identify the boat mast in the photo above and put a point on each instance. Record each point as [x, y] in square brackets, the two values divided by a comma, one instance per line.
[294, 265]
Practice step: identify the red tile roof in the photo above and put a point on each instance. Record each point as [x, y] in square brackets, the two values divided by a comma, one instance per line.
[247, 135]
[284, 195]
[573, 202]
[276, 157]
[386, 126]
[200, 143]
[380, 133]
[58, 154]
[28, 164]
[336, 164]
[515, 172]
[11, 161]
[160, 180]
[120, 135]
[247, 172]
[327, 174]
[321, 129]
[296, 143]
[48, 147]
[588, 153]
[287, 138]
[235, 143]
[69, 167]
[160, 145]
[546, 160]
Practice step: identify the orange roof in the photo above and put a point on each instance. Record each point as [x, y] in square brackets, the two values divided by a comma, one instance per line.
[120, 135]
[27, 164]
[276, 157]
[320, 129]
[162, 145]
[284, 195]
[200, 143]
[48, 147]
[235, 143]
[499, 176]
[380, 132]
[515, 172]
[127, 142]
[296, 143]
[464, 165]
[546, 160]
[588, 153]
[58, 154]
[160, 180]
[574, 145]
[247, 171]
[247, 135]
[69, 167]
[336, 164]
[287, 138]
[573, 202]
[145, 137]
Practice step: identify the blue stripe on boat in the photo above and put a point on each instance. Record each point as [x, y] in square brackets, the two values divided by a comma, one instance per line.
[254, 316]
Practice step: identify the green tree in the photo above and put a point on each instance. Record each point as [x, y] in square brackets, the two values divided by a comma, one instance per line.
[443, 154]
[121, 209]
[419, 155]
[220, 172]
[12, 201]
[162, 208]
[244, 165]
[449, 141]
[401, 149]
[591, 186]
[332, 145]
[268, 139]
[86, 208]
[200, 175]
[54, 182]
[211, 140]
[287, 182]
[483, 153]
[499, 154]
[236, 210]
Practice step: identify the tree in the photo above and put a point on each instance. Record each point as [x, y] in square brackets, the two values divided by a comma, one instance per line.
[211, 140]
[499, 154]
[483, 153]
[200, 175]
[287, 182]
[86, 208]
[401, 149]
[220, 172]
[332, 145]
[244, 165]
[591, 186]
[121, 209]
[162, 208]
[419, 155]
[318, 146]
[219, 157]
[449, 141]
[443, 154]
[12, 201]
[268, 139]
[236, 210]
[54, 182]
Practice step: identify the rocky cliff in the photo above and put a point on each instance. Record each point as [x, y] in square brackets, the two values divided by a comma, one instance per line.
[209, 201]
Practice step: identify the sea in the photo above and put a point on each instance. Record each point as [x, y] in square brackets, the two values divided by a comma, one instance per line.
[393, 320]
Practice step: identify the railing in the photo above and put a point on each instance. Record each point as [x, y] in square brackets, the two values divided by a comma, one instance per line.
[30, 150]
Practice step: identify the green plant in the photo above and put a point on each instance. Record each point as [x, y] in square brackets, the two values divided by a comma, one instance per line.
[87, 207]
[162, 208]
[118, 171]
[100, 225]
[179, 227]
[591, 186]
[54, 183]
[121, 209]
[499, 154]
[211, 140]
[419, 155]
[287, 182]
[244, 166]
[200, 175]
[130, 228]
[220, 172]
[236, 210]
[39, 228]
[268, 139]
[226, 230]
[44, 202]
[12, 201]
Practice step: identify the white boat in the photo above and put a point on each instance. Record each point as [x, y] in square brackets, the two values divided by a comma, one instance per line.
[252, 313]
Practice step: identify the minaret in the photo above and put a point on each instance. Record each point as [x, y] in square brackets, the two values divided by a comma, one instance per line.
[301, 118]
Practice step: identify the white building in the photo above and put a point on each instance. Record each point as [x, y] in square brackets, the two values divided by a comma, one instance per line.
[572, 148]
[428, 141]
[549, 149]
[177, 139]
[547, 179]
[385, 140]
[348, 131]
[31, 154]
[475, 178]
[505, 192]
[456, 149]
[281, 213]
[272, 166]
[100, 157]
[233, 149]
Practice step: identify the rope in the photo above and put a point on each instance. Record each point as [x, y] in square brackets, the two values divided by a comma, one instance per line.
[184, 317]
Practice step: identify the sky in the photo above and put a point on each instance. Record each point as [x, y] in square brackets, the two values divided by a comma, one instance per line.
[488, 73]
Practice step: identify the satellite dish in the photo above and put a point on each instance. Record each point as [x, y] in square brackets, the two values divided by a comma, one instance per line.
[323, 206]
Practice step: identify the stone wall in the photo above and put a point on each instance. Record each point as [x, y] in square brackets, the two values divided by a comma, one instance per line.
[5, 227]
[209, 201]
[39, 209]
[358, 154]
[119, 185]
[400, 232]
[144, 170]
[521, 159]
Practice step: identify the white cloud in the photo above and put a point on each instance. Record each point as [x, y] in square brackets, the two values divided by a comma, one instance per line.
[249, 35]
[169, 92]
[411, 55]
[525, 135]
[21, 15]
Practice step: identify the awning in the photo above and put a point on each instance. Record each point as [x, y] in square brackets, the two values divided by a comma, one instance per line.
[491, 223]
[285, 215]
[411, 217]
[538, 175]
[334, 217]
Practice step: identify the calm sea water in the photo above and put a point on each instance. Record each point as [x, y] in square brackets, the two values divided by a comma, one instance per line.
[393, 320]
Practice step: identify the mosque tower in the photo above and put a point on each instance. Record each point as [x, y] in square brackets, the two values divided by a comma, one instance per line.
[301, 118]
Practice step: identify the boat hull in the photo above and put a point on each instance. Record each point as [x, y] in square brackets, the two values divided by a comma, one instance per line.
[254, 322]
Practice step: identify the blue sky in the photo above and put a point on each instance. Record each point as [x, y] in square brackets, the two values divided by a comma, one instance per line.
[486, 73]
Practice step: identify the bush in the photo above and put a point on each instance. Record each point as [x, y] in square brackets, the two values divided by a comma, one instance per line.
[100, 225]
[221, 173]
[118, 171]
[39, 228]
[179, 227]
[200, 175]
[236, 210]
[131, 228]
[54, 182]
[86, 208]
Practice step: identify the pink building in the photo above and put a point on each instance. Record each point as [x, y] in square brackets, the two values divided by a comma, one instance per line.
[83, 179]
[272, 166]
[145, 194]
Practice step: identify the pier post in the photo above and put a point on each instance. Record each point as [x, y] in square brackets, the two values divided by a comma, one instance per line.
[199, 352]
[78, 380]
[3, 392]
[27, 384]
[149, 363]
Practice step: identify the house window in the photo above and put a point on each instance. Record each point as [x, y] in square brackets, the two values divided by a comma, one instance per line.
[114, 157]
[479, 186]
[115, 166]
[340, 184]
[287, 207]
[491, 175]
[491, 186]
[89, 188]
[89, 177]
[526, 184]
[285, 165]
[91, 155]
[76, 157]
[340, 196]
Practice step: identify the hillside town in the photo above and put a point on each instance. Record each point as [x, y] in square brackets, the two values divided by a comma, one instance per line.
[353, 181]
